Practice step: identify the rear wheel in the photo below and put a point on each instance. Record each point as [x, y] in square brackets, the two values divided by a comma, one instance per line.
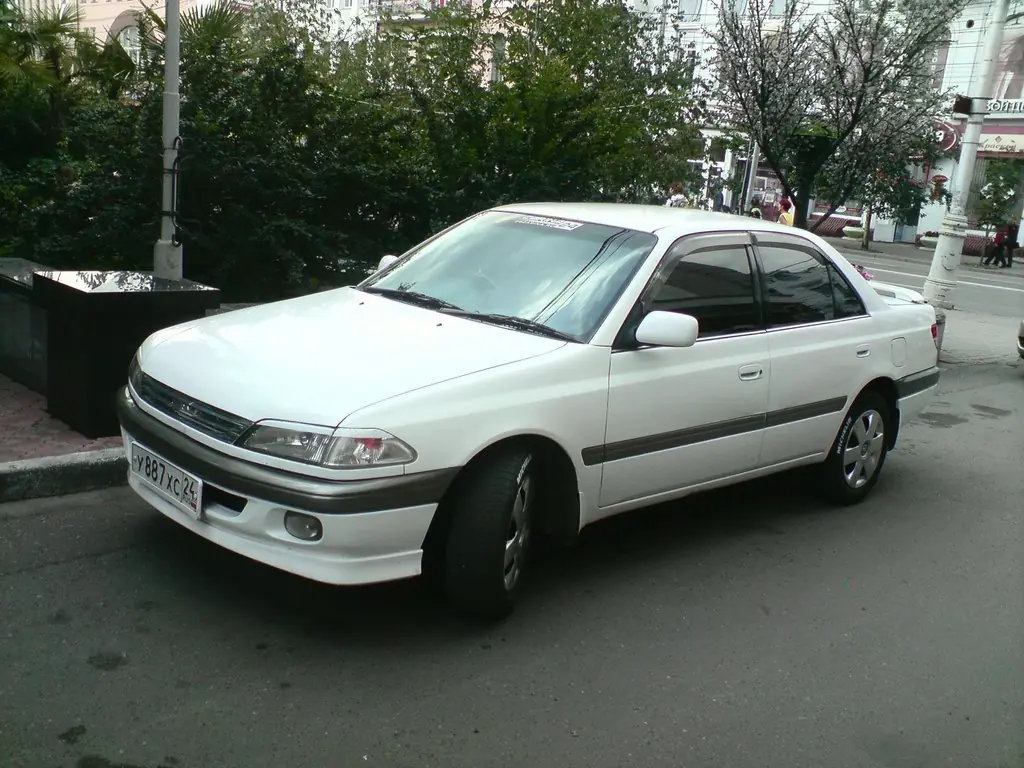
[491, 535]
[858, 453]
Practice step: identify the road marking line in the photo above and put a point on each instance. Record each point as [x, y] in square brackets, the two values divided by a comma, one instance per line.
[980, 274]
[959, 282]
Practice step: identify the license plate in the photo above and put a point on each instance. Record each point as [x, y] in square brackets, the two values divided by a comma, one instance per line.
[168, 480]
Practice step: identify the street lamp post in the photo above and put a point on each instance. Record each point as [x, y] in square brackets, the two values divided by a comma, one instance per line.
[167, 254]
[938, 288]
[753, 161]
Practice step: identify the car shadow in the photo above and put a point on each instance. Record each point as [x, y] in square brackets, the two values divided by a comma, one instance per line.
[395, 613]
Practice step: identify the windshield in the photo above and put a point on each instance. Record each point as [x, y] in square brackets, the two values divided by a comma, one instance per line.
[564, 274]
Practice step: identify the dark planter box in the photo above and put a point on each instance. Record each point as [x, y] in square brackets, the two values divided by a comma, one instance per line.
[22, 326]
[96, 321]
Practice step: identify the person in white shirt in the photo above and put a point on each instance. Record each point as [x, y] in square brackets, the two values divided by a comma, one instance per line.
[676, 197]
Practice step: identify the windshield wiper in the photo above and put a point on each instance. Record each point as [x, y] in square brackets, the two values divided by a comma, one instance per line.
[511, 321]
[412, 297]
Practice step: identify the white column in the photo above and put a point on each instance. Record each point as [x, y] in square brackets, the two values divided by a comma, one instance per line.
[941, 282]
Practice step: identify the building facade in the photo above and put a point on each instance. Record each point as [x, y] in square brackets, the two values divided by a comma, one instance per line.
[109, 19]
[1002, 138]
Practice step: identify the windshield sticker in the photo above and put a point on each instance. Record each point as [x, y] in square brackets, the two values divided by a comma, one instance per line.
[543, 221]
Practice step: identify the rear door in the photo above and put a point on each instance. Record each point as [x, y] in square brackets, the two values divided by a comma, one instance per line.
[821, 345]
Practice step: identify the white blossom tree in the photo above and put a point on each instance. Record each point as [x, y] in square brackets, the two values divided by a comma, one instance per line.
[830, 96]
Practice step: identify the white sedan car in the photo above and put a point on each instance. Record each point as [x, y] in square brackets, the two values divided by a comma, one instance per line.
[526, 372]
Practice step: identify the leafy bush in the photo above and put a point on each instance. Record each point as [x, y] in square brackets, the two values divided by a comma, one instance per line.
[300, 149]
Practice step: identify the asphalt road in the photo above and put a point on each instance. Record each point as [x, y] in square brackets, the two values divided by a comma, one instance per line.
[995, 291]
[753, 627]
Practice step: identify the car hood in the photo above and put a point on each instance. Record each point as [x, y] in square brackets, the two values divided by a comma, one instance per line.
[319, 358]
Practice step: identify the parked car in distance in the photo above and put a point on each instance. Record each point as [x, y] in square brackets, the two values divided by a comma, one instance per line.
[522, 374]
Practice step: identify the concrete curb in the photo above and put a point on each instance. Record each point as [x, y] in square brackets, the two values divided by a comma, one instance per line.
[61, 475]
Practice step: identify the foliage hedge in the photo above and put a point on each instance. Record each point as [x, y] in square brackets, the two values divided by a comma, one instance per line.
[306, 154]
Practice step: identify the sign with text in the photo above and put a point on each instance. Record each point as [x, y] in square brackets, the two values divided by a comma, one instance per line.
[1006, 144]
[1006, 108]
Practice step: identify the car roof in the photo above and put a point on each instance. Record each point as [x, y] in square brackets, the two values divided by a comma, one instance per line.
[647, 218]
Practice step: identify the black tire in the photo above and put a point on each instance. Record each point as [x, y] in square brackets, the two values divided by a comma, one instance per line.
[846, 482]
[484, 519]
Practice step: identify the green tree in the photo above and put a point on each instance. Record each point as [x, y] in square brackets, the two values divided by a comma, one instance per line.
[893, 191]
[304, 157]
[554, 101]
[828, 94]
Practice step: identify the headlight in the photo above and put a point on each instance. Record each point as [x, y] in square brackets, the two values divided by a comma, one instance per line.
[341, 448]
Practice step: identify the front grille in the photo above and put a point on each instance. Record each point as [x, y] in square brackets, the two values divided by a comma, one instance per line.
[209, 420]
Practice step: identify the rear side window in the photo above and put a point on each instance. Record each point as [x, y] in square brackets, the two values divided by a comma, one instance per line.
[847, 302]
[799, 289]
[716, 286]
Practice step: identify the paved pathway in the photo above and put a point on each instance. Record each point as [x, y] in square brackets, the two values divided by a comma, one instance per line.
[742, 629]
[979, 289]
[27, 431]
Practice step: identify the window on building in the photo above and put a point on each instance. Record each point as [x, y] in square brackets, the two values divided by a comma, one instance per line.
[689, 10]
[714, 285]
[778, 8]
[129, 39]
[716, 149]
[799, 290]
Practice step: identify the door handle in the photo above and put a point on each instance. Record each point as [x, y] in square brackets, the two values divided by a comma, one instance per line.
[750, 372]
[863, 351]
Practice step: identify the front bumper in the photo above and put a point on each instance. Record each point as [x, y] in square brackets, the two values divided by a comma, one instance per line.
[373, 530]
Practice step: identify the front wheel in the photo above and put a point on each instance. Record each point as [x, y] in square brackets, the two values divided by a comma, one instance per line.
[858, 453]
[491, 534]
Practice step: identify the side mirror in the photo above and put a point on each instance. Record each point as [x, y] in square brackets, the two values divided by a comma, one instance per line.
[667, 329]
[386, 261]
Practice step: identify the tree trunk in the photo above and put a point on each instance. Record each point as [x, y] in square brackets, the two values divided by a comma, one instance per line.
[865, 239]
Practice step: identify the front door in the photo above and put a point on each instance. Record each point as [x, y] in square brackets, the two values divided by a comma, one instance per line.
[681, 417]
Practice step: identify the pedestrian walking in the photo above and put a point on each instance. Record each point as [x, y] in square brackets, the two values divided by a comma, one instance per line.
[1010, 243]
[1002, 248]
[994, 251]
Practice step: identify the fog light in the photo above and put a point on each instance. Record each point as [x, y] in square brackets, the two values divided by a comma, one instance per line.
[305, 527]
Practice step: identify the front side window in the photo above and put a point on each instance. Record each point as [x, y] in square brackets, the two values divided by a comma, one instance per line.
[714, 285]
[798, 287]
[563, 274]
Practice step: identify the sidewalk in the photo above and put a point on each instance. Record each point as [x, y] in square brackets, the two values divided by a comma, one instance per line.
[41, 456]
[911, 254]
[974, 338]
[901, 251]
[27, 431]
